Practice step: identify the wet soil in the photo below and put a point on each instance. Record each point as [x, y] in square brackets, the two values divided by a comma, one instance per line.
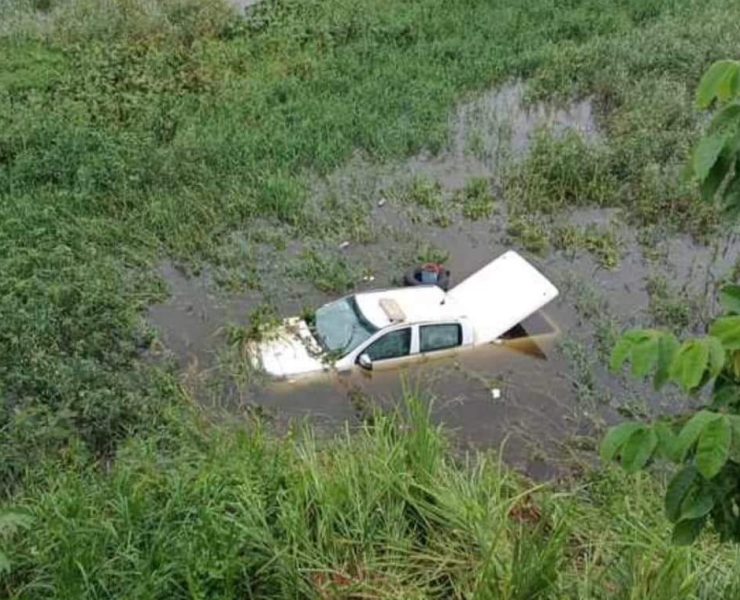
[554, 394]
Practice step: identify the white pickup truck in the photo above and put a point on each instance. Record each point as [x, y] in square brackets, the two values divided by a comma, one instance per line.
[390, 327]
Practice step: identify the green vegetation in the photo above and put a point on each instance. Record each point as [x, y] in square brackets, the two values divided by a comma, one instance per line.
[672, 308]
[425, 193]
[134, 131]
[603, 244]
[140, 130]
[476, 199]
[530, 233]
[715, 162]
[383, 512]
[706, 443]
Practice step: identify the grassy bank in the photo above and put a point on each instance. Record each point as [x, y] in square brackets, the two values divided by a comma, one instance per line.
[387, 512]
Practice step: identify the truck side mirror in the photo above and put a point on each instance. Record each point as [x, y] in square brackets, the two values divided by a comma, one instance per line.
[365, 362]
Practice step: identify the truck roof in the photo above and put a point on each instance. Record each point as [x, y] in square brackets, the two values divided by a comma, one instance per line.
[412, 305]
[495, 298]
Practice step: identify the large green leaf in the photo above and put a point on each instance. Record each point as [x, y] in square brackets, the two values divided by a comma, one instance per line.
[713, 447]
[706, 154]
[638, 449]
[716, 356]
[735, 441]
[729, 297]
[667, 440]
[677, 490]
[685, 532]
[689, 364]
[727, 331]
[727, 119]
[698, 500]
[716, 177]
[620, 353]
[645, 356]
[719, 82]
[667, 348]
[616, 437]
[690, 432]
[639, 345]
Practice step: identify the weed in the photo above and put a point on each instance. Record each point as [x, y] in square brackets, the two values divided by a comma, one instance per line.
[346, 219]
[263, 321]
[560, 172]
[327, 271]
[425, 192]
[604, 245]
[672, 308]
[735, 272]
[476, 199]
[428, 253]
[530, 233]
[582, 363]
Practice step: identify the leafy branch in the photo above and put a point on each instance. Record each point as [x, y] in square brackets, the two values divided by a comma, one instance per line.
[716, 159]
[705, 445]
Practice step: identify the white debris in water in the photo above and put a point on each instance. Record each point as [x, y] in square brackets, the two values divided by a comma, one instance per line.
[382, 202]
[496, 393]
[369, 278]
[343, 245]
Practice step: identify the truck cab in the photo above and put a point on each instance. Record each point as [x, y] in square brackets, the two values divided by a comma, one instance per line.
[387, 328]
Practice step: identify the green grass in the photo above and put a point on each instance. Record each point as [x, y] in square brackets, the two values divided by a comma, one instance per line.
[602, 243]
[385, 512]
[476, 199]
[673, 307]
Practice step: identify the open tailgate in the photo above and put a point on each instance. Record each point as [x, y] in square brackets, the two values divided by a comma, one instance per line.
[502, 294]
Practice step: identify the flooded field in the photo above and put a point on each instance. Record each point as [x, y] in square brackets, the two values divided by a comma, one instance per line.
[541, 399]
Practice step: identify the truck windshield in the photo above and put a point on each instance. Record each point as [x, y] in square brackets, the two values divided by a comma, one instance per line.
[341, 327]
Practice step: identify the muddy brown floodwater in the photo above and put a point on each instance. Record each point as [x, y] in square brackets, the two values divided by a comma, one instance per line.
[554, 392]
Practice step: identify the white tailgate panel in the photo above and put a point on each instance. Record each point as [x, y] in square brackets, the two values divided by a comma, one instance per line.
[503, 293]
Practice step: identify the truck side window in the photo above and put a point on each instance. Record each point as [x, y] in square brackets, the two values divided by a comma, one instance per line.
[440, 337]
[392, 345]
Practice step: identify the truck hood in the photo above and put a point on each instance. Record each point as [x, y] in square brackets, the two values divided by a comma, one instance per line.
[292, 352]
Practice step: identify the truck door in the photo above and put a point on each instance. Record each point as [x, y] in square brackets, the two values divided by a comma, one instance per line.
[440, 339]
[391, 349]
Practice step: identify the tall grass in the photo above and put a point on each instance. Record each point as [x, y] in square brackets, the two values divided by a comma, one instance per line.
[385, 512]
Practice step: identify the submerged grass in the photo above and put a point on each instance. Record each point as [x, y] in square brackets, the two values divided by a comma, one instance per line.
[384, 512]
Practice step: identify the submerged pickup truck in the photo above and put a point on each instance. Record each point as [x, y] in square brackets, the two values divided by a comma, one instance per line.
[387, 328]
